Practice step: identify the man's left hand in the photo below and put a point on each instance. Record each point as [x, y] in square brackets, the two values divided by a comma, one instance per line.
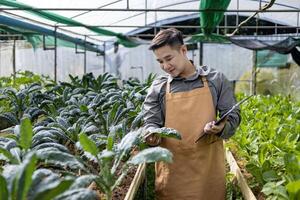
[211, 128]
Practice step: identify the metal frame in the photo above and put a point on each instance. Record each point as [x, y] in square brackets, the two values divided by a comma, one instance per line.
[147, 10]
[14, 62]
[84, 55]
[155, 25]
[175, 26]
[50, 25]
[160, 9]
[55, 51]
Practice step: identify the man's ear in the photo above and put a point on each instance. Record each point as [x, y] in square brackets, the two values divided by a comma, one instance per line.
[183, 49]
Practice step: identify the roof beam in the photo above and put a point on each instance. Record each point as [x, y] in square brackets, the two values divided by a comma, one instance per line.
[151, 10]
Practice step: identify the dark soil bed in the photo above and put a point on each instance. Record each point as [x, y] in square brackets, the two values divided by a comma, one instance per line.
[120, 192]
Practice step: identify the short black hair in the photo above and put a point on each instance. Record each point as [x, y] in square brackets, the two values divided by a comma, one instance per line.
[170, 36]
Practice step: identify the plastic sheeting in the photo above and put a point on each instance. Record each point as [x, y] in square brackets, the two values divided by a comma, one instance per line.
[140, 18]
[139, 62]
[42, 62]
[232, 60]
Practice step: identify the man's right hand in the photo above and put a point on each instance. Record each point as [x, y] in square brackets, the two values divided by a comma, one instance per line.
[153, 140]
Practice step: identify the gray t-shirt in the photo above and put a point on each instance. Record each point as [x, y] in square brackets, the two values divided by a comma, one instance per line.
[220, 87]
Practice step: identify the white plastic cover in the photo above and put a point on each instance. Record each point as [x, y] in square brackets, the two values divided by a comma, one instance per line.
[140, 18]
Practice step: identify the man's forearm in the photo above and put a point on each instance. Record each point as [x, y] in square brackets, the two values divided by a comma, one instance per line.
[230, 126]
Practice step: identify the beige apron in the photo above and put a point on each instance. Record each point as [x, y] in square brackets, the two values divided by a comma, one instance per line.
[198, 169]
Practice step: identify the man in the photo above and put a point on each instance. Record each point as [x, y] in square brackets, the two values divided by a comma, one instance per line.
[114, 61]
[188, 100]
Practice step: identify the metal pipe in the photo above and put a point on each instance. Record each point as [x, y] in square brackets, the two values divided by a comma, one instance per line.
[171, 4]
[259, 4]
[257, 18]
[237, 13]
[297, 21]
[55, 54]
[84, 56]
[44, 31]
[193, 55]
[175, 26]
[225, 21]
[200, 53]
[254, 73]
[14, 63]
[26, 18]
[104, 56]
[42, 23]
[155, 27]
[237, 36]
[108, 4]
[148, 10]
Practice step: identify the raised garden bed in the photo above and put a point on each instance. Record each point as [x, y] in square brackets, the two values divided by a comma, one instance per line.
[144, 189]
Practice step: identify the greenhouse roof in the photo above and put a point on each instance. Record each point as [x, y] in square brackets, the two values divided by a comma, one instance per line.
[117, 18]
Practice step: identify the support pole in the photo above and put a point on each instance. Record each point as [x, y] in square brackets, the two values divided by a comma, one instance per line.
[155, 30]
[193, 55]
[55, 54]
[104, 56]
[226, 23]
[146, 4]
[254, 67]
[237, 13]
[297, 23]
[14, 63]
[84, 70]
[200, 53]
[54, 49]
[84, 54]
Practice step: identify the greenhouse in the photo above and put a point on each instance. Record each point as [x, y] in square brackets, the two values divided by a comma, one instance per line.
[148, 99]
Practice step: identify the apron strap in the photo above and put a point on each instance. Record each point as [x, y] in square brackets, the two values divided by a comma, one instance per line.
[203, 79]
[168, 87]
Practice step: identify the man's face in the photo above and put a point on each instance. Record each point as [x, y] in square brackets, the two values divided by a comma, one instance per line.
[171, 60]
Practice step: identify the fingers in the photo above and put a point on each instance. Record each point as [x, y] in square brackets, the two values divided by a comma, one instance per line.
[211, 128]
[153, 140]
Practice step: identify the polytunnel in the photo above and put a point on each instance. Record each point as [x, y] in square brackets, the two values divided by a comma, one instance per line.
[103, 23]
[88, 111]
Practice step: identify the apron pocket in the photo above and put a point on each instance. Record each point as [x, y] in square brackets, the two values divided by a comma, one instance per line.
[208, 139]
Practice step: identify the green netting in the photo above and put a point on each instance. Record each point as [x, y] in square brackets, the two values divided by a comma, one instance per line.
[36, 40]
[30, 36]
[124, 40]
[209, 20]
[209, 38]
[267, 58]
[15, 30]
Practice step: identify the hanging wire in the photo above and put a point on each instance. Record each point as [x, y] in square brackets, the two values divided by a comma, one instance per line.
[263, 9]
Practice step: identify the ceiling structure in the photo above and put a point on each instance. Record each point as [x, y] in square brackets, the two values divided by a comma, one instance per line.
[133, 17]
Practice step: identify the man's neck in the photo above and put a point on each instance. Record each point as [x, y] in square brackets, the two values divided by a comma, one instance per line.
[190, 70]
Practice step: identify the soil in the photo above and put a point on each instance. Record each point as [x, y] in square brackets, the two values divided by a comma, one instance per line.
[242, 165]
[120, 192]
